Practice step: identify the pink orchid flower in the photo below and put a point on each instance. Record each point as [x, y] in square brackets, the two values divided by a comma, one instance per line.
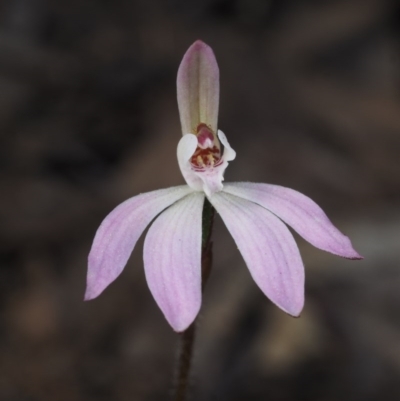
[253, 213]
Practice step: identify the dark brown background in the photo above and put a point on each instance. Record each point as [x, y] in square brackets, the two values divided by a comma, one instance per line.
[310, 99]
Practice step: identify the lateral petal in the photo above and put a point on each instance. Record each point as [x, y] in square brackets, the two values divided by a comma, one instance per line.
[299, 212]
[268, 248]
[198, 88]
[119, 232]
[186, 147]
[229, 153]
[172, 261]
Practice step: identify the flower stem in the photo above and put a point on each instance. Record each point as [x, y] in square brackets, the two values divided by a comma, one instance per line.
[206, 245]
[188, 336]
[185, 361]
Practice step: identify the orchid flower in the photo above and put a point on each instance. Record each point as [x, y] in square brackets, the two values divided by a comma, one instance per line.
[253, 213]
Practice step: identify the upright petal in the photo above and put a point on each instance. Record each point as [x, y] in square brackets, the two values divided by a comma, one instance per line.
[268, 248]
[198, 88]
[172, 261]
[299, 212]
[119, 232]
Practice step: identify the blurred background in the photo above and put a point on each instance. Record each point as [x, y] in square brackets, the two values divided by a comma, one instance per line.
[310, 99]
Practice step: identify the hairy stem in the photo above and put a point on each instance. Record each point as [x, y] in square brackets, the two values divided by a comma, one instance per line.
[184, 362]
[188, 336]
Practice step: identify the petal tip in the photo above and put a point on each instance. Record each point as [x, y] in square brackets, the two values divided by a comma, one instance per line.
[293, 310]
[347, 251]
[296, 314]
[293, 302]
[178, 328]
[197, 49]
[88, 296]
[354, 256]
[91, 292]
[199, 44]
[182, 315]
[181, 322]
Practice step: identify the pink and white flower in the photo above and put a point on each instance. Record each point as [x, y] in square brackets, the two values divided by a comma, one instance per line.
[253, 213]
